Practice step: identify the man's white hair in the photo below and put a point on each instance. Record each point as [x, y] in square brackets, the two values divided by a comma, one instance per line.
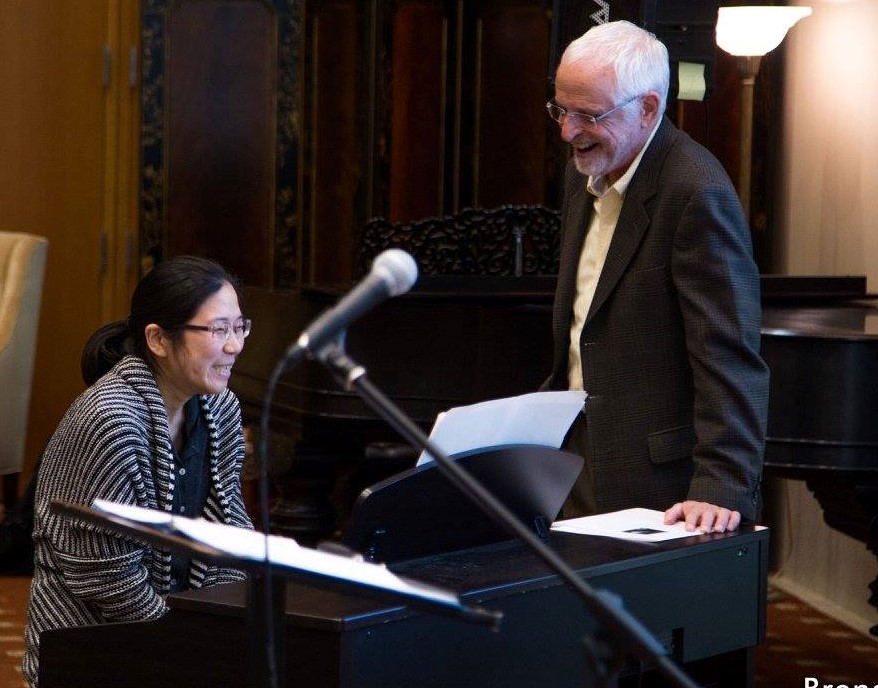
[638, 59]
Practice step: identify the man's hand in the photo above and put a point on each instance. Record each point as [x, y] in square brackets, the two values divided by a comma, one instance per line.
[708, 518]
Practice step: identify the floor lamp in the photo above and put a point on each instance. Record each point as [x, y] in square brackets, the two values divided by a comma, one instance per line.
[749, 32]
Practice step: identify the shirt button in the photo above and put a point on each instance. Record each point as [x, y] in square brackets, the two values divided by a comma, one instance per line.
[182, 471]
[182, 509]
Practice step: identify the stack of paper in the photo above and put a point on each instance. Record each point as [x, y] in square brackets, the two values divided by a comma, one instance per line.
[541, 418]
[642, 525]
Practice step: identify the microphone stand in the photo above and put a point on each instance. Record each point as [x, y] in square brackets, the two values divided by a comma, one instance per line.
[266, 590]
[612, 618]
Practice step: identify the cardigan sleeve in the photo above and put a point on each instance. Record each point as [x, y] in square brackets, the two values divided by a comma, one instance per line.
[99, 455]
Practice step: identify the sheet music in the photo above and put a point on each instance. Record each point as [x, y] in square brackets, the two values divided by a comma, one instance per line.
[238, 542]
[641, 525]
[540, 418]
[250, 545]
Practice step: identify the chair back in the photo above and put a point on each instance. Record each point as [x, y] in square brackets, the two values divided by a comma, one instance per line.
[22, 269]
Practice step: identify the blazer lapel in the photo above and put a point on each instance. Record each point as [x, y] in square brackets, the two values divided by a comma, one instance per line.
[634, 219]
[577, 209]
[580, 206]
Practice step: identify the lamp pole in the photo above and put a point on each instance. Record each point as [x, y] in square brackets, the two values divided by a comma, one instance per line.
[748, 67]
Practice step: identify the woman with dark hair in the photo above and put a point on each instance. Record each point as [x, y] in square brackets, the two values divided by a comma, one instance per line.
[156, 428]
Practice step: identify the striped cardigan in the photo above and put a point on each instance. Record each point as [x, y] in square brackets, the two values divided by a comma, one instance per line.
[114, 444]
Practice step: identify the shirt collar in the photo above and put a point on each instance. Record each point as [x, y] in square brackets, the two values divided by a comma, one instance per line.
[597, 185]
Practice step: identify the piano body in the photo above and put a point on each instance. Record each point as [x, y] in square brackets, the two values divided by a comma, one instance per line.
[454, 340]
[458, 340]
[820, 340]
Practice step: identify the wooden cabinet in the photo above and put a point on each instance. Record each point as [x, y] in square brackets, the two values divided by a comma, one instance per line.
[273, 131]
[419, 108]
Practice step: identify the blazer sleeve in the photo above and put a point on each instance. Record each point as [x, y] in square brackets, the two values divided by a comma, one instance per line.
[718, 286]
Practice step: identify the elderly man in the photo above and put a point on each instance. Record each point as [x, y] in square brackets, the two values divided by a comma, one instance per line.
[657, 309]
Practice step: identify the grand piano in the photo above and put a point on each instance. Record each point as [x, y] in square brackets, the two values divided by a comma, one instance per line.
[820, 340]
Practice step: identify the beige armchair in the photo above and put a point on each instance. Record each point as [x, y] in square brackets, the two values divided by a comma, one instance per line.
[22, 268]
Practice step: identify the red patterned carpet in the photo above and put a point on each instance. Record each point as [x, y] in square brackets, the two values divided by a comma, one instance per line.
[802, 644]
[13, 600]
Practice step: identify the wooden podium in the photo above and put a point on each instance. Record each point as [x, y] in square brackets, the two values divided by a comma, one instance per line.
[704, 597]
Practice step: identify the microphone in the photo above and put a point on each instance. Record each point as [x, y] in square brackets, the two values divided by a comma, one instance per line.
[393, 272]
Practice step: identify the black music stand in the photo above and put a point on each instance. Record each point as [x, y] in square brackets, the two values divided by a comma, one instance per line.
[251, 550]
[419, 512]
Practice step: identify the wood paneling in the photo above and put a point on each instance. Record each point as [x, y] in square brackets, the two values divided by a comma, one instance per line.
[467, 125]
[417, 115]
[509, 151]
[404, 109]
[332, 127]
[418, 108]
[221, 134]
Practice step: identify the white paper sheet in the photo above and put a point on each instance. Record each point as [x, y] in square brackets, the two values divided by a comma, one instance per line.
[641, 525]
[540, 418]
[250, 545]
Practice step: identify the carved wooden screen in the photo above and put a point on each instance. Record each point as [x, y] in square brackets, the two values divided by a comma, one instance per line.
[510, 240]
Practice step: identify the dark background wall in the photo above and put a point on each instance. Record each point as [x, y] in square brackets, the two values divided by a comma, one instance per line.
[274, 130]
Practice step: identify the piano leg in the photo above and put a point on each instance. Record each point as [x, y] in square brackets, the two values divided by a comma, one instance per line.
[850, 506]
[868, 496]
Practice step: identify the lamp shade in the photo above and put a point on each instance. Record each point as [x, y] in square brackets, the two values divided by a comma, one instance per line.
[752, 31]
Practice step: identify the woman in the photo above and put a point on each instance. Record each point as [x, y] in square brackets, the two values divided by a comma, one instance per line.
[157, 429]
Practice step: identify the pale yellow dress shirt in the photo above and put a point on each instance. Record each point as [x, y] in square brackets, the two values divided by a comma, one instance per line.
[607, 207]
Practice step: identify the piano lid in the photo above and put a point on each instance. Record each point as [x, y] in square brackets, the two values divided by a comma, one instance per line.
[820, 341]
[854, 320]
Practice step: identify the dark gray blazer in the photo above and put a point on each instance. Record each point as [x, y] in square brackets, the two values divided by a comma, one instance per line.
[670, 348]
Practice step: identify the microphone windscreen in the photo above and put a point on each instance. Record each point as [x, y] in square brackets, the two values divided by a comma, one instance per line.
[397, 269]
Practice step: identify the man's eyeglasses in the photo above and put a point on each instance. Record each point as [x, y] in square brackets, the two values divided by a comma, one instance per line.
[559, 114]
[221, 331]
